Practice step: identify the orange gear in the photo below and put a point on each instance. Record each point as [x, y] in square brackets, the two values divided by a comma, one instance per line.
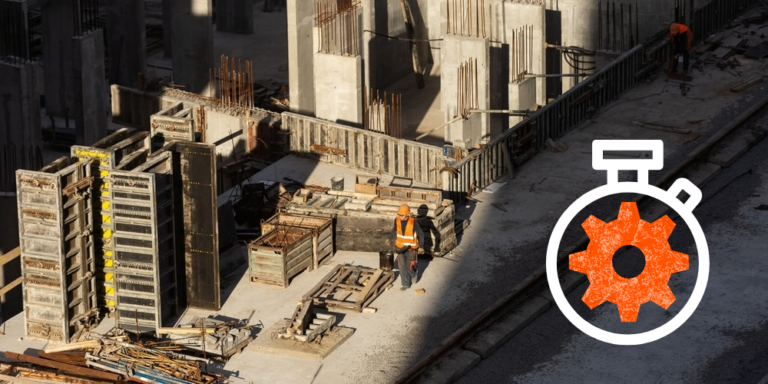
[597, 262]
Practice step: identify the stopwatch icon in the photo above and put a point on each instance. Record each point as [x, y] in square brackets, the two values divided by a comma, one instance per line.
[641, 186]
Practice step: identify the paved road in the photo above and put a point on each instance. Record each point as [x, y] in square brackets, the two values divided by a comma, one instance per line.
[724, 340]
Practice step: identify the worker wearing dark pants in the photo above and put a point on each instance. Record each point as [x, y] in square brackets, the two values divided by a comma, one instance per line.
[407, 234]
[682, 38]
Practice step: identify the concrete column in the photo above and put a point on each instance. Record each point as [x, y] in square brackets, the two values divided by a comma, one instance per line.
[236, 16]
[58, 28]
[90, 87]
[20, 135]
[338, 88]
[14, 39]
[516, 15]
[301, 53]
[522, 96]
[454, 51]
[167, 28]
[193, 45]
[126, 31]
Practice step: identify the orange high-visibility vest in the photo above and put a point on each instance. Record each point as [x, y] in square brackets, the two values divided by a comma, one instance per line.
[682, 29]
[409, 237]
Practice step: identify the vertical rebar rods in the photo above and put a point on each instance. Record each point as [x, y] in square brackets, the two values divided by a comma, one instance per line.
[466, 18]
[383, 114]
[466, 96]
[337, 24]
[628, 33]
[521, 51]
[233, 84]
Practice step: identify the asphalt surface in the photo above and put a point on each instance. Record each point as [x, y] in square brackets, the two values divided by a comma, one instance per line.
[724, 341]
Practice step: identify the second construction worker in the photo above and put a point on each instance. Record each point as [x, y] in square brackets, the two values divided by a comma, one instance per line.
[407, 235]
[682, 38]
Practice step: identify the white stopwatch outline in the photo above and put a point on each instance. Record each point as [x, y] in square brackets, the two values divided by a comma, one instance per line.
[685, 210]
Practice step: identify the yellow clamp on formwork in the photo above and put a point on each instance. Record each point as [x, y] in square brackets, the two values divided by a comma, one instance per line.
[110, 290]
[108, 254]
[106, 219]
[105, 193]
[107, 264]
[103, 174]
[109, 277]
[105, 185]
[110, 303]
[106, 234]
[105, 205]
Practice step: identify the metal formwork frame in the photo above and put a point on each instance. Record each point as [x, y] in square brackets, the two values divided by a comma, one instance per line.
[56, 243]
[145, 267]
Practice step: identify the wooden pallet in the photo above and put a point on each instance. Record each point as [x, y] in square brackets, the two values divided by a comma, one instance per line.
[350, 287]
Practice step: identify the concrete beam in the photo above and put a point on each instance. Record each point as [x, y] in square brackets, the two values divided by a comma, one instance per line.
[301, 53]
[90, 87]
[58, 28]
[235, 16]
[126, 31]
[193, 45]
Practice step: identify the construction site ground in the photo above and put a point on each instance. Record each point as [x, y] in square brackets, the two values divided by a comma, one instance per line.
[506, 241]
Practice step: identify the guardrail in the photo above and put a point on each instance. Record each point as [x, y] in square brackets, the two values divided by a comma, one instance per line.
[515, 146]
[365, 150]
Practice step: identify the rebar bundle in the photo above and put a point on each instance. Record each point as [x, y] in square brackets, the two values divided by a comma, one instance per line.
[616, 34]
[466, 17]
[383, 115]
[466, 95]
[233, 85]
[338, 30]
[521, 48]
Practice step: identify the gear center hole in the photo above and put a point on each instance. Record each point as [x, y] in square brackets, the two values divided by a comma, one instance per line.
[628, 261]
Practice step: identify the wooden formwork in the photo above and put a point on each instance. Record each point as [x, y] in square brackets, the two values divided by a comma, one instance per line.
[321, 227]
[350, 287]
[276, 257]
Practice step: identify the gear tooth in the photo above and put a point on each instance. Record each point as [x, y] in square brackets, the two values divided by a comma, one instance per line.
[579, 262]
[593, 227]
[663, 227]
[676, 262]
[663, 296]
[628, 310]
[629, 213]
[595, 295]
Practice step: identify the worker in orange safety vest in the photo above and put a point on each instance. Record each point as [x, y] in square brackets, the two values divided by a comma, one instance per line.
[407, 234]
[682, 38]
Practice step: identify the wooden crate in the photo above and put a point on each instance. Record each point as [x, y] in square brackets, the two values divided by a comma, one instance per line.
[279, 255]
[366, 184]
[321, 227]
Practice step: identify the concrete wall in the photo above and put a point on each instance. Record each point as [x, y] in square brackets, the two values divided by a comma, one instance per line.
[301, 52]
[20, 135]
[89, 87]
[522, 96]
[512, 17]
[338, 88]
[388, 60]
[58, 29]
[235, 16]
[167, 28]
[126, 31]
[454, 51]
[193, 45]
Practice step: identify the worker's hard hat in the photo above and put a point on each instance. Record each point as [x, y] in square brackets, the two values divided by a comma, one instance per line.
[404, 210]
[674, 28]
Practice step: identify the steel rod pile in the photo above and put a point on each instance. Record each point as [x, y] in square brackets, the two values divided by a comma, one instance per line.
[338, 29]
[466, 95]
[383, 115]
[521, 49]
[466, 18]
[628, 33]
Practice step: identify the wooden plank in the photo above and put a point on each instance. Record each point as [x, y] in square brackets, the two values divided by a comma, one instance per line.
[371, 282]
[12, 254]
[10, 286]
[62, 366]
[339, 279]
[312, 292]
[71, 346]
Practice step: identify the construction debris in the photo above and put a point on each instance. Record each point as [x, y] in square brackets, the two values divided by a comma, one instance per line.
[746, 84]
[211, 336]
[350, 287]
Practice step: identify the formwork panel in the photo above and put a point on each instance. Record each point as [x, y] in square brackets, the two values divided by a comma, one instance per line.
[200, 219]
[144, 247]
[55, 236]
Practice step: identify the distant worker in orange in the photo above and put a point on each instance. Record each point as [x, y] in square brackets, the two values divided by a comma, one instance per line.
[407, 235]
[682, 38]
